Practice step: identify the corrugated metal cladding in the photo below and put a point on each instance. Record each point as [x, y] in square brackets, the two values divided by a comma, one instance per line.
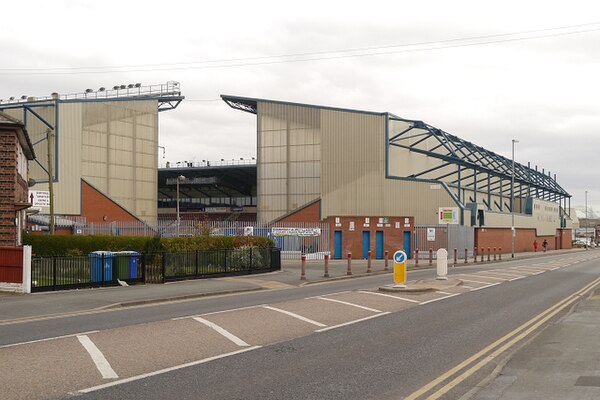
[112, 145]
[119, 153]
[306, 153]
[289, 158]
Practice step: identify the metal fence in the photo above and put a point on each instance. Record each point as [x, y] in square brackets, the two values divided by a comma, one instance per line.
[107, 269]
[292, 246]
[447, 237]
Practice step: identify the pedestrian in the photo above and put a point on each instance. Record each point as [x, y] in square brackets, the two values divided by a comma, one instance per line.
[535, 245]
[545, 245]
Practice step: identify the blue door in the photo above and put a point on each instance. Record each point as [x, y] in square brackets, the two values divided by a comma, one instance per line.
[379, 245]
[337, 244]
[407, 244]
[366, 244]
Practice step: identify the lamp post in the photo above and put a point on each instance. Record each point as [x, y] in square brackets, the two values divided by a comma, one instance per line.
[586, 217]
[179, 178]
[512, 200]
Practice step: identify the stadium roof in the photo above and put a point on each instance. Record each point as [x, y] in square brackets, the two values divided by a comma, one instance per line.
[469, 158]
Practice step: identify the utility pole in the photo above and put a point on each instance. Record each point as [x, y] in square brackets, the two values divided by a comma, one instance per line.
[49, 136]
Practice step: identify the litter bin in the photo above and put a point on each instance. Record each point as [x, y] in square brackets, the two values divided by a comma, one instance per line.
[96, 266]
[121, 264]
[128, 264]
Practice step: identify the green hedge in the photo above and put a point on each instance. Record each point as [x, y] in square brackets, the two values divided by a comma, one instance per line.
[61, 245]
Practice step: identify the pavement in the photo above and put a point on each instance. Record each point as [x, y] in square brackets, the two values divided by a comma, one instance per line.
[562, 363]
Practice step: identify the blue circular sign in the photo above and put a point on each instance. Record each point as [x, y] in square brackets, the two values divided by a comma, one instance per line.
[399, 257]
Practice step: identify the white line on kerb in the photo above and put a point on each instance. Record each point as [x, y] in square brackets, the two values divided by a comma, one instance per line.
[389, 295]
[291, 314]
[98, 358]
[164, 371]
[352, 322]
[222, 331]
[47, 339]
[350, 304]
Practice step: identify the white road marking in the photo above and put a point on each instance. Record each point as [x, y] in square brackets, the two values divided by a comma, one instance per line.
[350, 304]
[328, 294]
[438, 299]
[217, 312]
[98, 358]
[46, 339]
[164, 371]
[486, 286]
[291, 314]
[389, 295]
[483, 283]
[467, 287]
[352, 322]
[507, 274]
[440, 292]
[222, 331]
[480, 275]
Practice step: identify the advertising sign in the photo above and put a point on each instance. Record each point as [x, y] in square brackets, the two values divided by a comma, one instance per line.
[296, 232]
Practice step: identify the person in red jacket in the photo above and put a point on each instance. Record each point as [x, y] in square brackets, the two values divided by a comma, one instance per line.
[535, 245]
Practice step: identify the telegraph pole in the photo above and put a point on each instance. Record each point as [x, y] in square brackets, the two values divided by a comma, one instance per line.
[50, 179]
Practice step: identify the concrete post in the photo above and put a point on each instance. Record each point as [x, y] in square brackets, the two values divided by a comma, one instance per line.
[326, 274]
[386, 259]
[442, 264]
[303, 269]
[369, 262]
[27, 269]
[349, 271]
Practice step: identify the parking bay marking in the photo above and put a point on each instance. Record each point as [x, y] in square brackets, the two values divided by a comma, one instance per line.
[223, 332]
[389, 295]
[297, 316]
[350, 304]
[97, 357]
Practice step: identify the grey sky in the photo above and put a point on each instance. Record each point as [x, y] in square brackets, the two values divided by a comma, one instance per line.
[540, 91]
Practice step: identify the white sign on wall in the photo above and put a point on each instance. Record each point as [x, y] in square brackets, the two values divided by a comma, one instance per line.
[431, 234]
[448, 215]
[39, 198]
[296, 231]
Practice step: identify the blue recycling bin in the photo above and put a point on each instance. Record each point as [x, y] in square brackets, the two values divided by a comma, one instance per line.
[96, 266]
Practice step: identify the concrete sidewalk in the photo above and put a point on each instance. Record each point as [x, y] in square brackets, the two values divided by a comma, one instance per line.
[562, 363]
[72, 301]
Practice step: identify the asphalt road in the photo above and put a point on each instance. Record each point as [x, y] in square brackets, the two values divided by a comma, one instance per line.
[392, 347]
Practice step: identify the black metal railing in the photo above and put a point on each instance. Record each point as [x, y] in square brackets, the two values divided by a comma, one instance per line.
[108, 268]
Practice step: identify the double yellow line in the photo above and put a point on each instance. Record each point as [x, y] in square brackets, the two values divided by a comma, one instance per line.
[495, 349]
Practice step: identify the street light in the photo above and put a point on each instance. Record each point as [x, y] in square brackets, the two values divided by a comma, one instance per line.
[179, 179]
[512, 200]
[586, 218]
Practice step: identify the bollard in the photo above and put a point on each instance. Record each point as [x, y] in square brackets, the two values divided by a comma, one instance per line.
[369, 262]
[430, 257]
[494, 254]
[349, 272]
[482, 251]
[500, 253]
[303, 269]
[416, 256]
[385, 258]
[489, 251]
[455, 256]
[475, 255]
[442, 264]
[326, 274]
[466, 256]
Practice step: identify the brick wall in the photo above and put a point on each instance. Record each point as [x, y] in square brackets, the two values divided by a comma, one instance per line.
[310, 213]
[8, 186]
[97, 207]
[501, 237]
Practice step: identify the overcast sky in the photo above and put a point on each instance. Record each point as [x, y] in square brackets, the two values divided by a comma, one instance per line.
[542, 91]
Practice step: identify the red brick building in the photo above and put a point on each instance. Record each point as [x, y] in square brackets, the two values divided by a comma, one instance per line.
[15, 150]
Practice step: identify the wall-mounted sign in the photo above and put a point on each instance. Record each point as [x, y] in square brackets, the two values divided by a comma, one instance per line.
[351, 227]
[448, 215]
[431, 234]
[296, 231]
[39, 198]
